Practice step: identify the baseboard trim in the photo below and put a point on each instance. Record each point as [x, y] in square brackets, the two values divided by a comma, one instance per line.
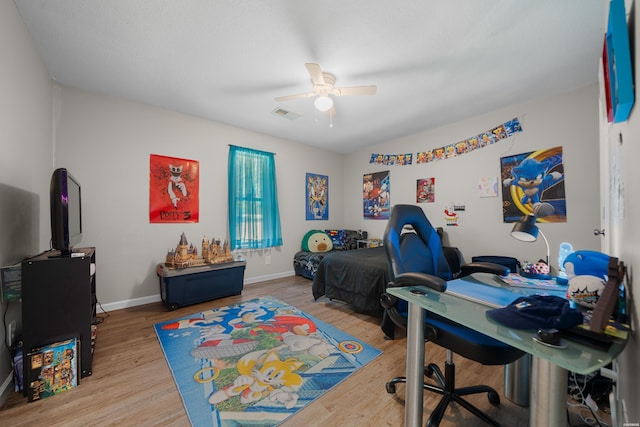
[269, 277]
[117, 305]
[155, 298]
[4, 389]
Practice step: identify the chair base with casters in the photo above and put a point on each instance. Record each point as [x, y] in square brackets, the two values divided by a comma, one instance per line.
[477, 347]
[446, 387]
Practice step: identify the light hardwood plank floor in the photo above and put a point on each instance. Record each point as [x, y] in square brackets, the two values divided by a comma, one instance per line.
[131, 383]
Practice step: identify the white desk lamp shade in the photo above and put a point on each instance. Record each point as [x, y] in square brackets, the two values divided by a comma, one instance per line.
[523, 236]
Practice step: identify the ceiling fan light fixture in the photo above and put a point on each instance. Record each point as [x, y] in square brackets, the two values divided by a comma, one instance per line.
[323, 103]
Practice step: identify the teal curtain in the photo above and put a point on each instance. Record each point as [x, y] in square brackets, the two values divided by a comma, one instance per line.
[254, 218]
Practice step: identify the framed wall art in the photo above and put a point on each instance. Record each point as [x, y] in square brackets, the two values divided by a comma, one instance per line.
[617, 63]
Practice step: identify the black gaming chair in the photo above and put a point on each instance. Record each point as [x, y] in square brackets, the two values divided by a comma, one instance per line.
[415, 257]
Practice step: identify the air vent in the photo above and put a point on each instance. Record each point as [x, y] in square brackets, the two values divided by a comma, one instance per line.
[286, 114]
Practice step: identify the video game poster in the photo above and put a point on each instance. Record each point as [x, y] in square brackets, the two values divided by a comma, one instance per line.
[376, 203]
[317, 191]
[533, 183]
[174, 190]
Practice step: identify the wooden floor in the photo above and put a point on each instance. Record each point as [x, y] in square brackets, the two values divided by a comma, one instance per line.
[131, 383]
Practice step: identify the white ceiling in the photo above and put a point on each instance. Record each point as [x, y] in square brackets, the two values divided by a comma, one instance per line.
[434, 62]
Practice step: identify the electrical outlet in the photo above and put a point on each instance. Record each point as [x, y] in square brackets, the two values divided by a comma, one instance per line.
[11, 333]
[267, 259]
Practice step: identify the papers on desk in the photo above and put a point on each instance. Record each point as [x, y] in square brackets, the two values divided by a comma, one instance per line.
[525, 282]
[491, 296]
[495, 294]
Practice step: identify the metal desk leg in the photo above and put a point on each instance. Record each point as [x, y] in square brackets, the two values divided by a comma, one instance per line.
[548, 401]
[415, 367]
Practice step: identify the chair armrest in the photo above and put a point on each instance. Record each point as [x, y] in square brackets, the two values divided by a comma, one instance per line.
[454, 259]
[421, 279]
[484, 267]
[388, 301]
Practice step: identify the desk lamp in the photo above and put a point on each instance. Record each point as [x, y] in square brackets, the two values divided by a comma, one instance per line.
[526, 230]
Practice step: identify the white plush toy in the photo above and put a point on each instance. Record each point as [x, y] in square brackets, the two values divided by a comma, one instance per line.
[587, 274]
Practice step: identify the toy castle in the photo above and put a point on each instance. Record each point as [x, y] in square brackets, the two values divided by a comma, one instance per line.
[186, 255]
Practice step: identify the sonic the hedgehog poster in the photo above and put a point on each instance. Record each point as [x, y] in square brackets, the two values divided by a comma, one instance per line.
[533, 184]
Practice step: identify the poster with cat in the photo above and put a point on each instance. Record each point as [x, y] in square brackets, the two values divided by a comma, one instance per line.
[173, 190]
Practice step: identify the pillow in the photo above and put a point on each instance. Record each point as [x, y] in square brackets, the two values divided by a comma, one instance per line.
[344, 239]
[337, 238]
[316, 241]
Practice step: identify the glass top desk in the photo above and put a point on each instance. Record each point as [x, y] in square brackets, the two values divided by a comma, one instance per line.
[550, 365]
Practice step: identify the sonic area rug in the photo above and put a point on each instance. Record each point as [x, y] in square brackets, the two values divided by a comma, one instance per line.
[257, 362]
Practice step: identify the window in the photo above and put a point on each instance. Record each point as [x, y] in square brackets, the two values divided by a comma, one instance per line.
[254, 218]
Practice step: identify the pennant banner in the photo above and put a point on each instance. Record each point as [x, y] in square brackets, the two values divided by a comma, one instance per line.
[489, 137]
[391, 159]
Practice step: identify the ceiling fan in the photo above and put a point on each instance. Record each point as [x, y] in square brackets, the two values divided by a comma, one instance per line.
[323, 86]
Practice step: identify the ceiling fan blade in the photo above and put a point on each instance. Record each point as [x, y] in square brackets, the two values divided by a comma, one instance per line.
[297, 96]
[355, 90]
[315, 72]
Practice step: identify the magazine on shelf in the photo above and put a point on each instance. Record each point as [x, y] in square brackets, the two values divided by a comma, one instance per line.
[11, 281]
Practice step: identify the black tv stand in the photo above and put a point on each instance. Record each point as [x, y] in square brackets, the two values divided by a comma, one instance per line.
[59, 302]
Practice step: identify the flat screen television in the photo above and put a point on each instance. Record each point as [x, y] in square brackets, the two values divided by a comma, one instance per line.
[66, 211]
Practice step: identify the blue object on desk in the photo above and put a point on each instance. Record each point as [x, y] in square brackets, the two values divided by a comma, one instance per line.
[535, 276]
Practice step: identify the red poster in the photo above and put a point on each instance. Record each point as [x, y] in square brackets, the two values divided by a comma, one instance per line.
[173, 190]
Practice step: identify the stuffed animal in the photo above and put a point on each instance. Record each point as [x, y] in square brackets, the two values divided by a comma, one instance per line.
[587, 274]
[317, 241]
[539, 270]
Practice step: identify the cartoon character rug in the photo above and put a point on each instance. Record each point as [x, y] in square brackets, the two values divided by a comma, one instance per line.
[257, 362]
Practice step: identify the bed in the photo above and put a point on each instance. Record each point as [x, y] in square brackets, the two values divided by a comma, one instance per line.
[356, 277]
[359, 277]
